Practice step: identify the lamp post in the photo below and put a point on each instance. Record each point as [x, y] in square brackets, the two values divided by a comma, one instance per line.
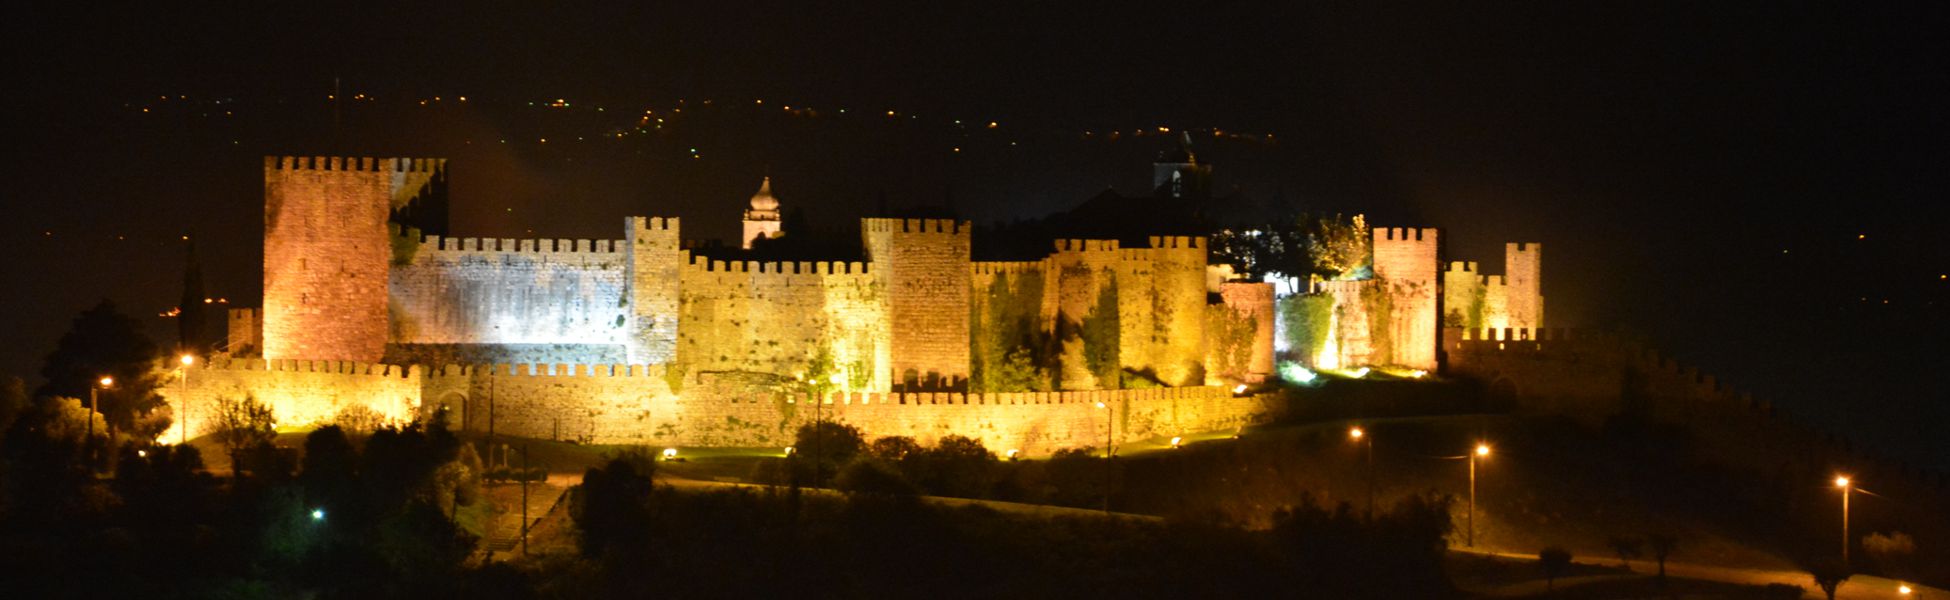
[1482, 451]
[1109, 422]
[1360, 436]
[185, 360]
[1843, 483]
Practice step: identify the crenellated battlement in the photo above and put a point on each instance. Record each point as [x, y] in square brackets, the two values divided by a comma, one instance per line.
[539, 247]
[1074, 245]
[1080, 397]
[610, 371]
[354, 163]
[949, 226]
[1403, 234]
[1492, 281]
[823, 268]
[1463, 266]
[1487, 334]
[1177, 241]
[1014, 267]
[341, 367]
[652, 223]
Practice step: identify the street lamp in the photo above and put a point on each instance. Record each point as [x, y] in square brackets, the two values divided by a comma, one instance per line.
[186, 360]
[1482, 451]
[94, 404]
[1842, 483]
[1109, 421]
[1360, 436]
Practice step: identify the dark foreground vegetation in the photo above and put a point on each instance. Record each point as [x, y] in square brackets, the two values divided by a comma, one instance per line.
[638, 540]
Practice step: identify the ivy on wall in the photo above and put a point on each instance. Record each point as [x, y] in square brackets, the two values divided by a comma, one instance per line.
[1102, 337]
[1231, 334]
[1306, 321]
[1011, 347]
[1379, 302]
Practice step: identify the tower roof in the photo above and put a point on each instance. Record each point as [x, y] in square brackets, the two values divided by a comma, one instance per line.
[763, 200]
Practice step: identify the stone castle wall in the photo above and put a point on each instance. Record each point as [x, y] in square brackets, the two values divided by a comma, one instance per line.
[302, 392]
[1472, 300]
[653, 271]
[505, 291]
[327, 249]
[778, 318]
[635, 405]
[246, 330]
[1252, 301]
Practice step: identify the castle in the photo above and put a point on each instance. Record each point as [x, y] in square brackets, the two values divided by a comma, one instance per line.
[369, 306]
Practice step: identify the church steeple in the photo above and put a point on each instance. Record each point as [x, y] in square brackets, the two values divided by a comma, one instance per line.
[762, 219]
[1177, 173]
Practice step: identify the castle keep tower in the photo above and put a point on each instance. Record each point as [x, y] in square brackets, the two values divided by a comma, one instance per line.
[1523, 272]
[762, 219]
[327, 251]
[922, 267]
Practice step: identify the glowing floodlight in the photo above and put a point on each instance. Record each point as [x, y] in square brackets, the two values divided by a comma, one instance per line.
[317, 514]
[1012, 453]
[1482, 449]
[1418, 374]
[1841, 482]
[1361, 372]
[790, 450]
[1904, 589]
[1175, 441]
[107, 382]
[670, 453]
[1356, 433]
[1100, 405]
[187, 360]
[1239, 389]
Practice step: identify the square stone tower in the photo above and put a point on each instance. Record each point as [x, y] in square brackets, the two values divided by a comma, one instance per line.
[1406, 261]
[652, 289]
[328, 250]
[922, 266]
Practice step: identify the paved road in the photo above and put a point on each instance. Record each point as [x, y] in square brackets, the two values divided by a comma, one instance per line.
[1859, 587]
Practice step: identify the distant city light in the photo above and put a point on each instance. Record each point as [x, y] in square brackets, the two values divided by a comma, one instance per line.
[318, 514]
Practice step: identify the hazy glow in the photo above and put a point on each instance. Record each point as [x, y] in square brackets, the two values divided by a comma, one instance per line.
[1356, 433]
[1841, 482]
[670, 453]
[187, 360]
[1175, 440]
[1297, 373]
[1482, 450]
[107, 381]
[318, 514]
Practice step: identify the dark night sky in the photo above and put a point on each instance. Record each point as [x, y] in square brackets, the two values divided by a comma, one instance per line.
[1666, 153]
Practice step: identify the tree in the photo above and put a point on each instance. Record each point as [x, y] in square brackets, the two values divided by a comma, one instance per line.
[957, 466]
[894, 448]
[1340, 248]
[828, 445]
[1828, 574]
[1555, 561]
[612, 506]
[244, 425]
[1627, 547]
[873, 476]
[1662, 545]
[1100, 333]
[13, 401]
[103, 342]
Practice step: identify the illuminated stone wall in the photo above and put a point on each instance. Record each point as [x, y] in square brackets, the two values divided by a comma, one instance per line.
[1161, 309]
[776, 318]
[1252, 301]
[1472, 300]
[326, 251]
[1405, 262]
[655, 280]
[302, 393]
[635, 405]
[1523, 272]
[505, 291]
[922, 265]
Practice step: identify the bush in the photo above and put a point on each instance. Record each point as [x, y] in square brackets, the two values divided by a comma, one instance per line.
[872, 476]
